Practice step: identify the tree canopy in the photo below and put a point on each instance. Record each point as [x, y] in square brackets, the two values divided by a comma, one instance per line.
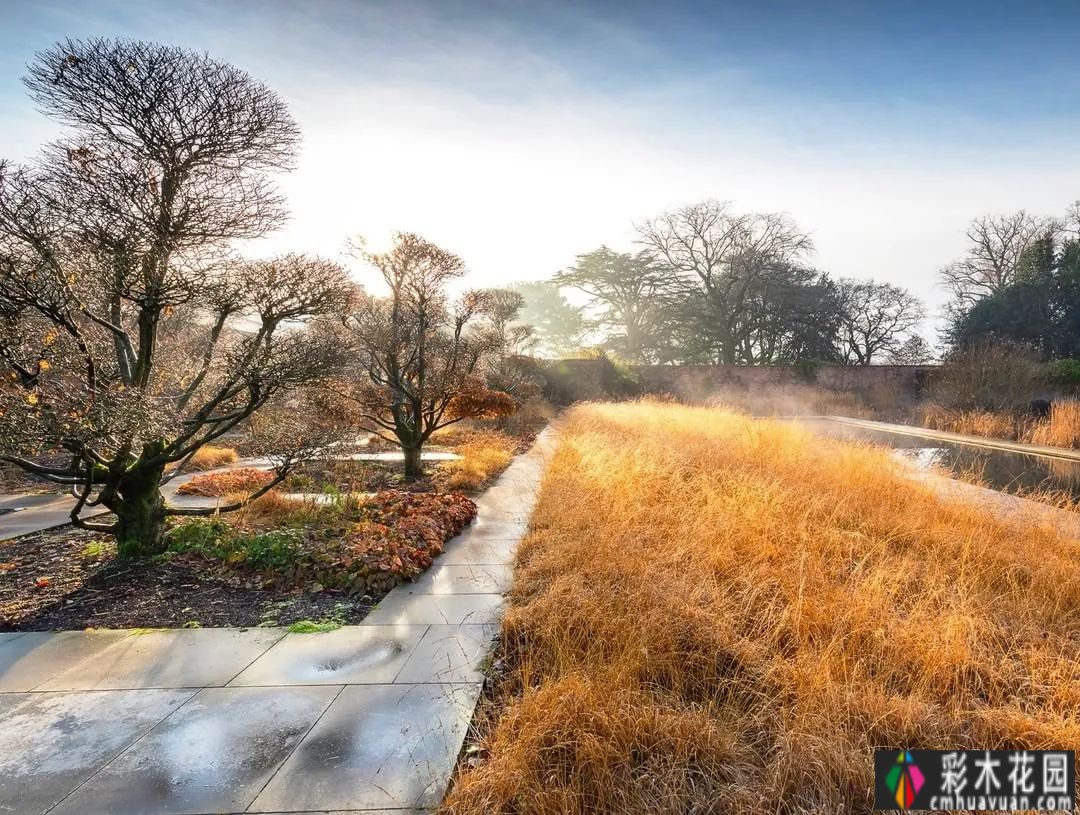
[713, 285]
[133, 335]
[416, 364]
[1038, 304]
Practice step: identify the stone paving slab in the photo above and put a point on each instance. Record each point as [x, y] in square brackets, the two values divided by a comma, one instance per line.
[492, 531]
[449, 653]
[53, 742]
[213, 755]
[24, 502]
[479, 553]
[504, 510]
[462, 578]
[173, 658]
[35, 657]
[454, 609]
[10, 701]
[377, 746]
[28, 521]
[354, 654]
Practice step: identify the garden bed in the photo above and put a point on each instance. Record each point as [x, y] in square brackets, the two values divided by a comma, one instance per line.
[274, 563]
[67, 579]
[278, 561]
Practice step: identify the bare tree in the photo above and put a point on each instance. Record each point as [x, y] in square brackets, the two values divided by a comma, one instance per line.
[875, 318]
[996, 245]
[1072, 221]
[915, 350]
[418, 363]
[506, 365]
[131, 337]
[722, 253]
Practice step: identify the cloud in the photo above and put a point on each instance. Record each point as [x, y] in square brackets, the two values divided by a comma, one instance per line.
[520, 141]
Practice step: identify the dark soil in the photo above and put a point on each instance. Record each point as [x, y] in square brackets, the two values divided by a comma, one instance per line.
[68, 579]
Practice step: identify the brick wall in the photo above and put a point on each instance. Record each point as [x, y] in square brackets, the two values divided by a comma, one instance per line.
[699, 381]
[588, 379]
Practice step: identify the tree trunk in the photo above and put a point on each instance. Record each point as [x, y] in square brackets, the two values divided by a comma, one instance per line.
[140, 513]
[413, 467]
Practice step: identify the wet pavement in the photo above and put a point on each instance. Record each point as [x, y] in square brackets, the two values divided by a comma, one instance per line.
[367, 718]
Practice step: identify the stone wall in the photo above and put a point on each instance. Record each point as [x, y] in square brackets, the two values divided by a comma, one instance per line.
[700, 381]
[592, 379]
[576, 380]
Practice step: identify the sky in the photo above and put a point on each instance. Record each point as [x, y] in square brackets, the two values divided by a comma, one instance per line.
[522, 134]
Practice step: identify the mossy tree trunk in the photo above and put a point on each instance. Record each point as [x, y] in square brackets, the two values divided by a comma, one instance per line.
[140, 512]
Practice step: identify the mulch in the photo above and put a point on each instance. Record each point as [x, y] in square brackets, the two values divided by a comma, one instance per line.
[68, 579]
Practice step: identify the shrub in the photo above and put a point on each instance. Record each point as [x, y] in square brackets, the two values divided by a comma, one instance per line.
[209, 457]
[214, 540]
[529, 419]
[198, 535]
[1065, 373]
[480, 402]
[806, 370]
[216, 485]
[619, 377]
[392, 537]
[594, 375]
[991, 377]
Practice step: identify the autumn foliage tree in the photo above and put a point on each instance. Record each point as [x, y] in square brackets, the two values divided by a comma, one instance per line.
[131, 336]
[417, 353]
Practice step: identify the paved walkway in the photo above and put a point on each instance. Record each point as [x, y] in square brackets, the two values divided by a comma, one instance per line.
[368, 718]
[36, 513]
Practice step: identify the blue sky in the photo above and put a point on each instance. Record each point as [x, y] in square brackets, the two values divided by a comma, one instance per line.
[520, 134]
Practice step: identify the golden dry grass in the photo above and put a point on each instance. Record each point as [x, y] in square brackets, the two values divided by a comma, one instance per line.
[210, 457]
[987, 424]
[1062, 429]
[275, 509]
[715, 614]
[484, 454]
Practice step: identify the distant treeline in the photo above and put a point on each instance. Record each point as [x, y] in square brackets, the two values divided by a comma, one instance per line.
[712, 285]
